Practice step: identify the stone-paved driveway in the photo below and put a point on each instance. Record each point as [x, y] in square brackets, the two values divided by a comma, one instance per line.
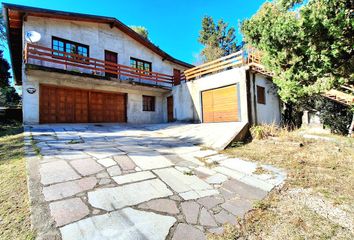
[129, 182]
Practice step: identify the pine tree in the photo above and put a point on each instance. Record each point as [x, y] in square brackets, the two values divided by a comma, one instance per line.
[218, 39]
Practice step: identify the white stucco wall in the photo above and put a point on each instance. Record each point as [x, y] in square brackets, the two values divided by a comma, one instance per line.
[184, 109]
[99, 37]
[187, 96]
[269, 112]
[135, 113]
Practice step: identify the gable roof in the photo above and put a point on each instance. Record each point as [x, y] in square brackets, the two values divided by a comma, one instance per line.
[15, 15]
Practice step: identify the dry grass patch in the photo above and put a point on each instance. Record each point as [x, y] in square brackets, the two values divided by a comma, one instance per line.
[14, 204]
[324, 167]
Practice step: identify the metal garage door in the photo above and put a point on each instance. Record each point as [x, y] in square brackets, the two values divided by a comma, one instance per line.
[220, 105]
[69, 105]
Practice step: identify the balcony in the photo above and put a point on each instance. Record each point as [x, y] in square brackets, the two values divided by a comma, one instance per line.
[247, 56]
[54, 59]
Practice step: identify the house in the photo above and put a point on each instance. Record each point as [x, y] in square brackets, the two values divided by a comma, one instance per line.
[89, 68]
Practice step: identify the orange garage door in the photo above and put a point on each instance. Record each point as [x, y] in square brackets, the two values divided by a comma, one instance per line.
[69, 105]
[220, 105]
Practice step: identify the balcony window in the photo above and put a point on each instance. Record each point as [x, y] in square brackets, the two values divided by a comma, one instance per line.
[69, 47]
[58, 45]
[140, 64]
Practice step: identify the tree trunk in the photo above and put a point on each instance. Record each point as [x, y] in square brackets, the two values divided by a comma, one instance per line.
[288, 116]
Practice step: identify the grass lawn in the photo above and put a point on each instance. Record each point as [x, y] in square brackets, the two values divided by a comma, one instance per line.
[14, 203]
[317, 200]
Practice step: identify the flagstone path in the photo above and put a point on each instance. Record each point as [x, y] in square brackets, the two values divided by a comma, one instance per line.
[135, 182]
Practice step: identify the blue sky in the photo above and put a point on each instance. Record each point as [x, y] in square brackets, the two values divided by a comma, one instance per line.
[173, 25]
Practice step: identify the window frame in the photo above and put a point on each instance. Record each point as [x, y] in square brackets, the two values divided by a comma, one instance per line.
[76, 44]
[261, 96]
[176, 79]
[149, 106]
[141, 61]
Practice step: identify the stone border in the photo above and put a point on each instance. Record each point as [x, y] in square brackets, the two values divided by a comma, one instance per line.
[41, 221]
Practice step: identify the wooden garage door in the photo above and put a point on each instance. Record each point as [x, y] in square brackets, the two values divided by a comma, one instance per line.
[68, 105]
[220, 105]
[107, 107]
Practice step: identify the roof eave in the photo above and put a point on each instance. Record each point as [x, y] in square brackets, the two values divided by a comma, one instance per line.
[100, 19]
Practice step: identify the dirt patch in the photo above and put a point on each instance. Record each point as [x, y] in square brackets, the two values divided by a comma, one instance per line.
[317, 199]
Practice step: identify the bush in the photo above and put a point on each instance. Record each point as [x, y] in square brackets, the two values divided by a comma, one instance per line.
[337, 117]
[264, 131]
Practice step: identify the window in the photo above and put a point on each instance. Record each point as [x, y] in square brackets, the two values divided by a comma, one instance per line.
[176, 76]
[149, 103]
[140, 64]
[261, 95]
[69, 47]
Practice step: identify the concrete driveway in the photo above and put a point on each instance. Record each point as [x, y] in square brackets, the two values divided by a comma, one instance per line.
[124, 181]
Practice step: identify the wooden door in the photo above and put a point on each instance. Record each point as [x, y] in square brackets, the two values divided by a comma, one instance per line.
[111, 57]
[114, 108]
[65, 105]
[47, 104]
[96, 107]
[176, 76]
[69, 105]
[81, 106]
[170, 109]
[107, 107]
[220, 105]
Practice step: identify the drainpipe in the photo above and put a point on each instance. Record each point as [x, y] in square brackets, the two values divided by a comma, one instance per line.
[254, 98]
[249, 99]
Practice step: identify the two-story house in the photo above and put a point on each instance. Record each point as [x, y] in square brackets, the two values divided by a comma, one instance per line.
[88, 68]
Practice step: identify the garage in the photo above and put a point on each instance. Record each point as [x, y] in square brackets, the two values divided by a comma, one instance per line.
[71, 105]
[220, 104]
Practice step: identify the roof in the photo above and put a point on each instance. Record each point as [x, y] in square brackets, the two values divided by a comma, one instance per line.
[15, 15]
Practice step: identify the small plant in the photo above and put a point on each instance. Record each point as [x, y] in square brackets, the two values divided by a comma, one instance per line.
[261, 205]
[206, 163]
[205, 148]
[211, 164]
[188, 173]
[236, 144]
[260, 170]
[36, 149]
[268, 130]
[75, 141]
[262, 131]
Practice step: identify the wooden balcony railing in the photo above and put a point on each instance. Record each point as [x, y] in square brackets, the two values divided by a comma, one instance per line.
[92, 65]
[249, 56]
[217, 65]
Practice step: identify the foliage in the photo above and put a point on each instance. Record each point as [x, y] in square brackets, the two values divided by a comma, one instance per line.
[307, 44]
[333, 115]
[4, 71]
[263, 131]
[2, 30]
[218, 39]
[8, 94]
[142, 31]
